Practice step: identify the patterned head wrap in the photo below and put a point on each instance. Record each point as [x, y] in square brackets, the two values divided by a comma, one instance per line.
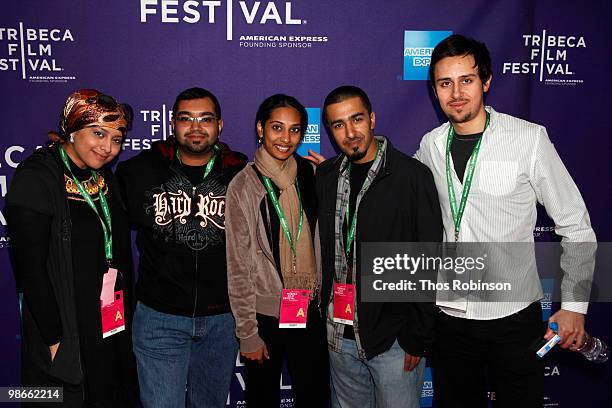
[88, 107]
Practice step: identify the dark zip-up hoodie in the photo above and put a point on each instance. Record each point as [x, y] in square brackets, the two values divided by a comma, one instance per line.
[180, 230]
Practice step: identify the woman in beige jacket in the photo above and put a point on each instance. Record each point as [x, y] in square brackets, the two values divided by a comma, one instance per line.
[270, 223]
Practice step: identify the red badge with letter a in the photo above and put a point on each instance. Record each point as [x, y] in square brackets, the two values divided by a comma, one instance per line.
[294, 309]
[111, 305]
[344, 303]
[113, 316]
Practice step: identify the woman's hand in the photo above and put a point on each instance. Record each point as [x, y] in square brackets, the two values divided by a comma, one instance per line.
[53, 350]
[260, 355]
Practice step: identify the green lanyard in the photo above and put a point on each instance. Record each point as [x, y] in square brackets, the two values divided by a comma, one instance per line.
[106, 226]
[457, 213]
[350, 235]
[283, 220]
[210, 163]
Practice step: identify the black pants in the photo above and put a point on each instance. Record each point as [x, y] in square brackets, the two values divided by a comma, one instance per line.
[305, 351]
[73, 395]
[471, 354]
[116, 394]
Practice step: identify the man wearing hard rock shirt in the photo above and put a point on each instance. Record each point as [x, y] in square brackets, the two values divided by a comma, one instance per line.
[175, 193]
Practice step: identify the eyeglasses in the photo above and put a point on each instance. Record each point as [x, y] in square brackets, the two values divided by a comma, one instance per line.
[189, 120]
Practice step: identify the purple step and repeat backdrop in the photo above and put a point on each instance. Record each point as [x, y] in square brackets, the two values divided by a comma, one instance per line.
[551, 64]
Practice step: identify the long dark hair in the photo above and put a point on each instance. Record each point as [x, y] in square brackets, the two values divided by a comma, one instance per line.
[280, 101]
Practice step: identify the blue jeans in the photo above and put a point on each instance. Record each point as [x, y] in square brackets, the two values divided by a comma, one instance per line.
[183, 361]
[377, 383]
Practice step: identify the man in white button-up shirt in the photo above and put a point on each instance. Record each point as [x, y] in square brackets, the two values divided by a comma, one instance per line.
[491, 170]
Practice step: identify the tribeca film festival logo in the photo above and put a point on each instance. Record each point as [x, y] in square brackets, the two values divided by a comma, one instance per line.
[30, 51]
[418, 46]
[252, 13]
[13, 155]
[548, 56]
[159, 127]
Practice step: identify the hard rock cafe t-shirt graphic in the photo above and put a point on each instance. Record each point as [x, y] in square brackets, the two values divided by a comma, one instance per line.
[186, 214]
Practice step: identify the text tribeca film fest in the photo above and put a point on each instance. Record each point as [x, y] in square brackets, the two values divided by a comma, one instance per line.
[529, 190]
